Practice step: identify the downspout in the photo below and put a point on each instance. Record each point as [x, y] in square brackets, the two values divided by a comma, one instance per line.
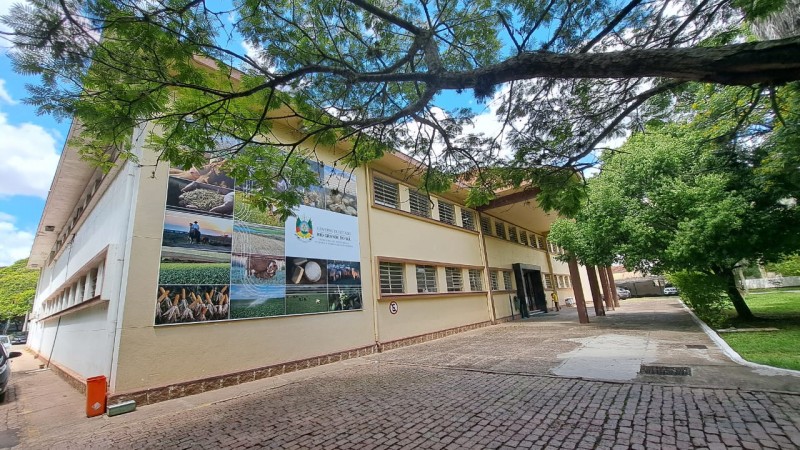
[375, 270]
[553, 282]
[485, 260]
[119, 305]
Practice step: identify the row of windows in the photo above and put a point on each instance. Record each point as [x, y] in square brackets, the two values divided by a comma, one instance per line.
[560, 281]
[511, 233]
[392, 279]
[387, 193]
[84, 288]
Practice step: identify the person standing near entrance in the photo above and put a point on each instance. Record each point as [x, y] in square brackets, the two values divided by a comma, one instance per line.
[523, 307]
[554, 296]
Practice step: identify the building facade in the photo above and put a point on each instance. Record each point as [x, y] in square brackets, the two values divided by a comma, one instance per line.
[169, 283]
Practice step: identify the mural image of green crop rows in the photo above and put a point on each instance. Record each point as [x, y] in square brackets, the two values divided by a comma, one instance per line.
[194, 273]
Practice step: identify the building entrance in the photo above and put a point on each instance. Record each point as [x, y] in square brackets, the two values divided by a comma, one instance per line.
[530, 289]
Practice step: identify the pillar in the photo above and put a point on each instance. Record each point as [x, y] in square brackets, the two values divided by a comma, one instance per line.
[595, 289]
[577, 289]
[613, 285]
[607, 295]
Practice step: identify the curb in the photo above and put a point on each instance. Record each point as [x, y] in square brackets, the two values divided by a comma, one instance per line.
[732, 354]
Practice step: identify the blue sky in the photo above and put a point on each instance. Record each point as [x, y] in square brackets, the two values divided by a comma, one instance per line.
[29, 145]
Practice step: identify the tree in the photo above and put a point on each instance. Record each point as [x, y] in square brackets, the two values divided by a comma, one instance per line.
[569, 75]
[17, 289]
[699, 196]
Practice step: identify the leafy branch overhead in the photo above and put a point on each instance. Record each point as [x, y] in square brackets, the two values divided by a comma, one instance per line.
[376, 76]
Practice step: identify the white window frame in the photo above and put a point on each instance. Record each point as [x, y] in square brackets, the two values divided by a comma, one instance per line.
[389, 273]
[381, 189]
[426, 279]
[419, 204]
[475, 280]
[447, 212]
[455, 279]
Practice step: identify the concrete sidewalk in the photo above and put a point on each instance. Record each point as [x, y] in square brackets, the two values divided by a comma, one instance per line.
[658, 333]
[549, 354]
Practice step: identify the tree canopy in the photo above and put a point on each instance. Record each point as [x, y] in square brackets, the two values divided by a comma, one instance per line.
[700, 195]
[568, 75]
[17, 289]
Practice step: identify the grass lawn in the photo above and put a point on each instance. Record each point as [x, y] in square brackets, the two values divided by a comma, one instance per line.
[778, 308]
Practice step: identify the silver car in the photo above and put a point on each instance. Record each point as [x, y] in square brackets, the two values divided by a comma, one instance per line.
[5, 370]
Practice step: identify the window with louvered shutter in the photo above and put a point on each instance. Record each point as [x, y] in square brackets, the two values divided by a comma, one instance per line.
[523, 237]
[512, 234]
[486, 226]
[548, 283]
[507, 281]
[455, 281]
[426, 279]
[391, 275]
[475, 281]
[500, 229]
[539, 242]
[493, 280]
[419, 204]
[447, 213]
[385, 193]
[467, 220]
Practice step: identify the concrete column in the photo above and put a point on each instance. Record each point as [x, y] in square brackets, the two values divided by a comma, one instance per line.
[609, 297]
[595, 289]
[613, 285]
[577, 290]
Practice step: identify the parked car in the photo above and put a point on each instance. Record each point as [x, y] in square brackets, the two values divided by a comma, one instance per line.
[623, 293]
[6, 341]
[5, 370]
[19, 338]
[670, 290]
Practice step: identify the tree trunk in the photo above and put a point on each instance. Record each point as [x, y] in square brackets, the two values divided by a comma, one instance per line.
[742, 310]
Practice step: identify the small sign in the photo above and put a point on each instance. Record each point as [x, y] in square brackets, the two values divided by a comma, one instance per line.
[393, 307]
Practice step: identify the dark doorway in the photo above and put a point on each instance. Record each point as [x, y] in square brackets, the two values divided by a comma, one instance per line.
[529, 286]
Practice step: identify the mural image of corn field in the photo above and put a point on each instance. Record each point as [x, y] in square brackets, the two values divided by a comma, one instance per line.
[191, 303]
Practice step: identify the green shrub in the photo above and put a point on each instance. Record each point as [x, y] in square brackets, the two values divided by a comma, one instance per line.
[704, 293]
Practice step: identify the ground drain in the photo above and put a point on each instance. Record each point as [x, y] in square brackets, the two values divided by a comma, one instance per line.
[665, 370]
[699, 346]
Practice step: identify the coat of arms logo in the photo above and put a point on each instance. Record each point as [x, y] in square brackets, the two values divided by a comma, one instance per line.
[304, 229]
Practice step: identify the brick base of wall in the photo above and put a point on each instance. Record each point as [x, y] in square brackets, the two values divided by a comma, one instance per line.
[177, 390]
[507, 319]
[430, 336]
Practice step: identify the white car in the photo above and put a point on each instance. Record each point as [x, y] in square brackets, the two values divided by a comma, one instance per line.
[6, 341]
[670, 290]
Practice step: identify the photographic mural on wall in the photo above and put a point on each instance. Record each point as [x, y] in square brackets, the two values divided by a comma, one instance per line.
[222, 258]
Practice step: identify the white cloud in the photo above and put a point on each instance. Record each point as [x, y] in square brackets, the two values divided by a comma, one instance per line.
[15, 244]
[4, 95]
[29, 159]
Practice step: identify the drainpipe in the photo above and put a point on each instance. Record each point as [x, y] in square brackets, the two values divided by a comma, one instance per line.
[117, 308]
[485, 260]
[375, 269]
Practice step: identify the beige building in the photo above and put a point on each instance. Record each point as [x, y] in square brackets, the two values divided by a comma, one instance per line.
[168, 283]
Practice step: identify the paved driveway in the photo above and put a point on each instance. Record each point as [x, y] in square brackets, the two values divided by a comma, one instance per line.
[517, 385]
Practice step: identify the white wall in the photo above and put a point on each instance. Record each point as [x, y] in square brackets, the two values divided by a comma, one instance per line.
[85, 338]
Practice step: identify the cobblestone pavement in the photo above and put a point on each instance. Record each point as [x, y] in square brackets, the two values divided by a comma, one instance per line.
[489, 388]
[384, 405]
